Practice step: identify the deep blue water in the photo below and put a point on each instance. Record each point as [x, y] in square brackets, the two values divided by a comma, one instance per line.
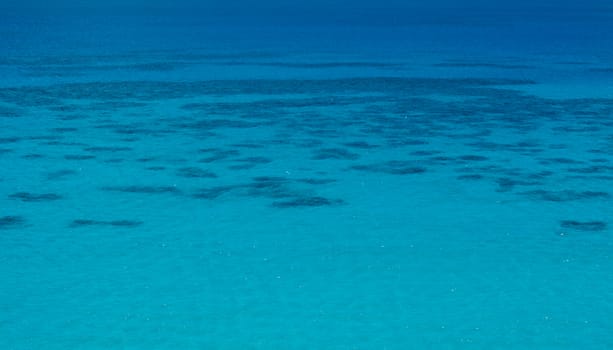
[338, 180]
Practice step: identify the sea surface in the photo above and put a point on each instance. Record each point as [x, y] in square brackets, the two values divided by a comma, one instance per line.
[439, 183]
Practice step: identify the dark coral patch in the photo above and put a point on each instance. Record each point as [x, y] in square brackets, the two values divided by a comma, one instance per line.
[350, 64]
[45, 137]
[12, 139]
[425, 153]
[211, 124]
[567, 195]
[254, 160]
[78, 157]
[360, 145]
[249, 163]
[31, 197]
[560, 160]
[314, 201]
[210, 150]
[442, 159]
[522, 147]
[213, 192]
[7, 112]
[151, 66]
[335, 153]
[506, 184]
[62, 143]
[116, 223]
[195, 172]
[459, 64]
[32, 156]
[146, 159]
[248, 145]
[242, 166]
[107, 149]
[270, 179]
[155, 90]
[313, 181]
[540, 175]
[594, 169]
[470, 177]
[219, 155]
[386, 111]
[56, 175]
[11, 221]
[273, 187]
[399, 142]
[591, 226]
[269, 186]
[70, 117]
[142, 189]
[392, 167]
[473, 158]
[64, 129]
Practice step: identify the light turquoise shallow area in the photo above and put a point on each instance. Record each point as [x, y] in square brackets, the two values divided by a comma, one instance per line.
[192, 198]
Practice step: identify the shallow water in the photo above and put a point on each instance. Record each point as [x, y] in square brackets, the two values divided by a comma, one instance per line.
[267, 197]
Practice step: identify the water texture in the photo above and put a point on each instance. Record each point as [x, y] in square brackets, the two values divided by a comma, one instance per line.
[282, 192]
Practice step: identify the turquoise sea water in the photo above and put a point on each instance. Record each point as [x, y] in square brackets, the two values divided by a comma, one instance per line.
[441, 185]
